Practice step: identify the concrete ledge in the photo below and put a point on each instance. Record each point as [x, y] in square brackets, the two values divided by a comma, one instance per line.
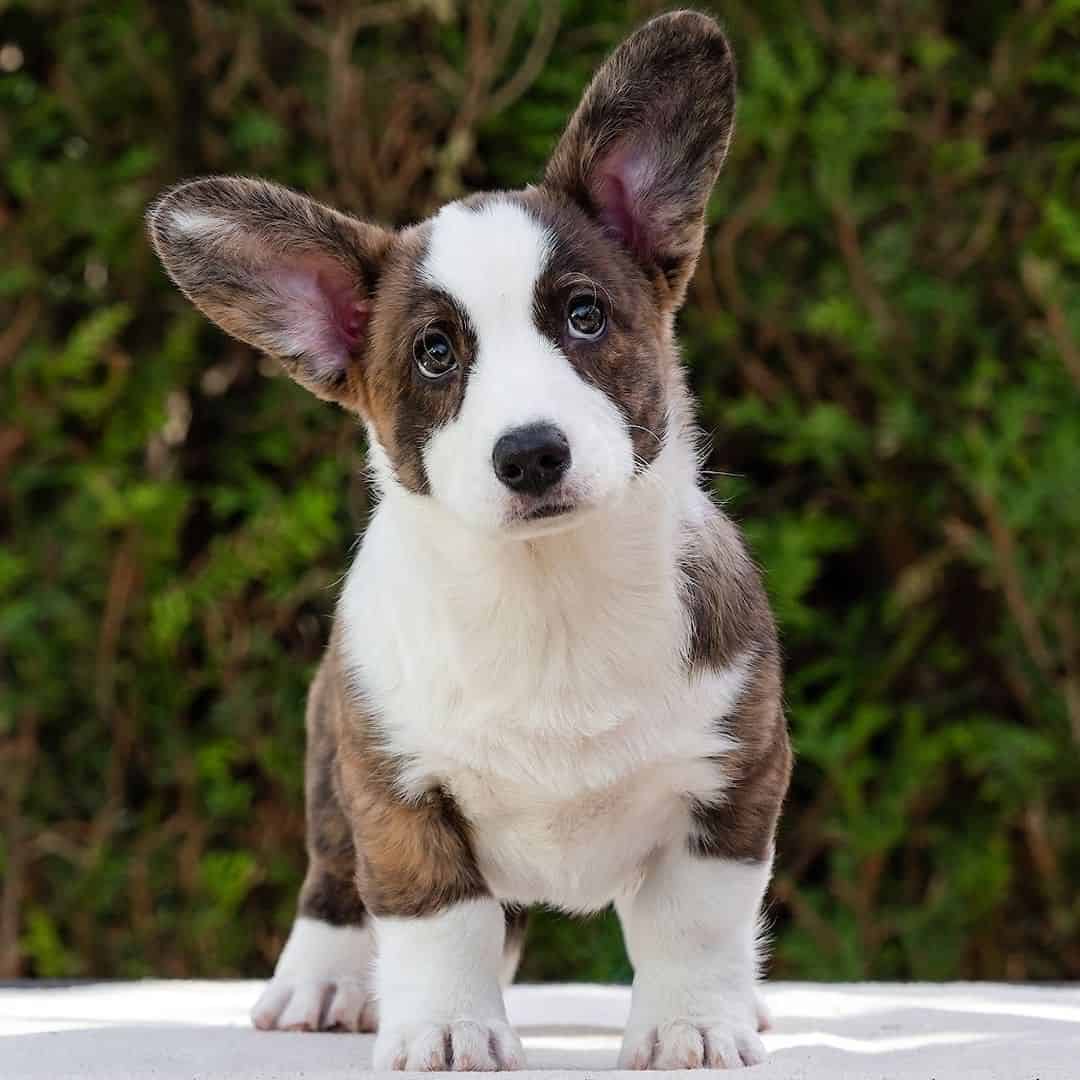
[191, 1030]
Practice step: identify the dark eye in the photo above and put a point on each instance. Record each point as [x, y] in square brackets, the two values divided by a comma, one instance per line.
[434, 354]
[585, 318]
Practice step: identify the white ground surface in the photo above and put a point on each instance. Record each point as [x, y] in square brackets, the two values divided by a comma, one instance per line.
[192, 1030]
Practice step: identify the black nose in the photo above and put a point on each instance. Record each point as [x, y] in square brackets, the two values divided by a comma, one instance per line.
[531, 459]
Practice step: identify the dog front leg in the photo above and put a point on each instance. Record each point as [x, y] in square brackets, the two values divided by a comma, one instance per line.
[437, 983]
[691, 931]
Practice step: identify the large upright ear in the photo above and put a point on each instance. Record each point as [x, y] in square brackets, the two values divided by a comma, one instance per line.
[643, 150]
[278, 270]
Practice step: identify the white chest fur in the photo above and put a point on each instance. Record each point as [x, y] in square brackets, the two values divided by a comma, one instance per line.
[543, 685]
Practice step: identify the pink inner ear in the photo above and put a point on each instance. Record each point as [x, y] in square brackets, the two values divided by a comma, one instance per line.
[321, 315]
[349, 311]
[618, 190]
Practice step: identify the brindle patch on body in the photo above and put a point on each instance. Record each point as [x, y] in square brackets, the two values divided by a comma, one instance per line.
[743, 824]
[730, 616]
[329, 891]
[409, 857]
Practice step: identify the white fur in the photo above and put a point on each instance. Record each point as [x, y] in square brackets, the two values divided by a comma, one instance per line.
[316, 949]
[322, 980]
[691, 931]
[489, 260]
[437, 980]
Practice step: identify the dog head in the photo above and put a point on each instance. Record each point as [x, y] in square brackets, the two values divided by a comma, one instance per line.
[512, 356]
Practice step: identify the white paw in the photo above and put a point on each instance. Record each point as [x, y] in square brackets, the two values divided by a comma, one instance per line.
[692, 1044]
[457, 1046]
[315, 1004]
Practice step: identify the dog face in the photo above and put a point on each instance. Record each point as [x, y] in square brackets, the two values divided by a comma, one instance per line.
[512, 356]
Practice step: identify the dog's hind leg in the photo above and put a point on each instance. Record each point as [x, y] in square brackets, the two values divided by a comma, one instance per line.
[323, 977]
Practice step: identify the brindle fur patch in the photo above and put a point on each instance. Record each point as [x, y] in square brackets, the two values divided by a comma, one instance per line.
[404, 407]
[730, 617]
[412, 857]
[329, 891]
[635, 362]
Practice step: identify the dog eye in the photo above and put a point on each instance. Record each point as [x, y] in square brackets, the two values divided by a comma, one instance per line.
[434, 354]
[585, 318]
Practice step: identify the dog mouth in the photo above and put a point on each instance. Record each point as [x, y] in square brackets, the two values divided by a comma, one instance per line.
[550, 510]
[542, 518]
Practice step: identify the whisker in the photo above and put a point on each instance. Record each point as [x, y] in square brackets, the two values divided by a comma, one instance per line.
[643, 473]
[648, 431]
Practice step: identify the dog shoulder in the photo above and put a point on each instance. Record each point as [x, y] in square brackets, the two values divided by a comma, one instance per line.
[727, 610]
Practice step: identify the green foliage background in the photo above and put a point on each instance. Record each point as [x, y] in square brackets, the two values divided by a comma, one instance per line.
[884, 335]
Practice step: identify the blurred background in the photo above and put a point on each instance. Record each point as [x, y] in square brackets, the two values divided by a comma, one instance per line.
[884, 332]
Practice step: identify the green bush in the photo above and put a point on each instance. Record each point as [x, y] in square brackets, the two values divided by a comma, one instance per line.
[885, 336]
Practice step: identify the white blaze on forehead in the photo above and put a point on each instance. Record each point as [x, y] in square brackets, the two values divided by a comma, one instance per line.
[488, 259]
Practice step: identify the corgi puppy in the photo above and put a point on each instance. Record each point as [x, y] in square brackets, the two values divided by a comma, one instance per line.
[553, 676]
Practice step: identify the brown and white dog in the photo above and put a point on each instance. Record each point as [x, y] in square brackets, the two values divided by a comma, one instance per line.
[553, 676]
